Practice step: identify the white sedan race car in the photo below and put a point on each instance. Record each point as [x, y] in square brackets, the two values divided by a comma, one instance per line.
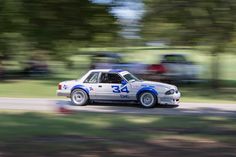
[117, 85]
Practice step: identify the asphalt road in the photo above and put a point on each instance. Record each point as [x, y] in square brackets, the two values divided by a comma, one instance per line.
[53, 105]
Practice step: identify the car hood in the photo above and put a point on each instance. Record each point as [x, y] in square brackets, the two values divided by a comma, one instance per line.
[157, 84]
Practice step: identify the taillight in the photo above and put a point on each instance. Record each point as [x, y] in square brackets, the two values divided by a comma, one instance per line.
[158, 68]
[59, 86]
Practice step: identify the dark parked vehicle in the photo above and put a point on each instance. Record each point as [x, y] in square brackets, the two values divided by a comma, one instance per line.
[175, 67]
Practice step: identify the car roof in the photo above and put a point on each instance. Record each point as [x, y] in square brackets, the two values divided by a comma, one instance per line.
[108, 70]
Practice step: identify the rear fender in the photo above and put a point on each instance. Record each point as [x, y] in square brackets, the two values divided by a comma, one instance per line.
[81, 87]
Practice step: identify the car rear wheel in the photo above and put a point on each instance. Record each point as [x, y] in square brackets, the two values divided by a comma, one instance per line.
[147, 100]
[79, 97]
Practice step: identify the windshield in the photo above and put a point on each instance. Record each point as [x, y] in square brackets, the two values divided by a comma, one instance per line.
[130, 77]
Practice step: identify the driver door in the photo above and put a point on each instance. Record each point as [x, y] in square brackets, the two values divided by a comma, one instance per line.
[111, 86]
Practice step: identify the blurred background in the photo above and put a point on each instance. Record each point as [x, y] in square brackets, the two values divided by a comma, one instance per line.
[189, 43]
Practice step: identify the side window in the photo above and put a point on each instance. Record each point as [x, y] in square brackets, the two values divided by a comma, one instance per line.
[110, 78]
[92, 78]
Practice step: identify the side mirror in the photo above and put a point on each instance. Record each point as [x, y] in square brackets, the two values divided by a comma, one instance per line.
[123, 82]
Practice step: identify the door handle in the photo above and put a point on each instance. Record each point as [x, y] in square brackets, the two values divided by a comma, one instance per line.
[100, 86]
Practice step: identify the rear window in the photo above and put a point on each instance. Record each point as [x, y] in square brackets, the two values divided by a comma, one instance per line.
[92, 78]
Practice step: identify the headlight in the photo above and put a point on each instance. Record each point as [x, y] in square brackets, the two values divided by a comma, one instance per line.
[169, 92]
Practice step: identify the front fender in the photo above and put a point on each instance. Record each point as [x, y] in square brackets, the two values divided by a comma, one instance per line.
[146, 89]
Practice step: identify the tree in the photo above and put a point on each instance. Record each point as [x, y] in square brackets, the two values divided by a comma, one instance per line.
[47, 25]
[194, 22]
[72, 20]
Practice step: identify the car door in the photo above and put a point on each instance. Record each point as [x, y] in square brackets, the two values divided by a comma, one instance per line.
[112, 86]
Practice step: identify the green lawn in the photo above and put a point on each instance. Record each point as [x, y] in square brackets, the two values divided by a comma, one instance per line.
[27, 88]
[31, 134]
[37, 87]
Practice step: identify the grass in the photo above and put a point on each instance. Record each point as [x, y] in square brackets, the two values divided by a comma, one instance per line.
[205, 94]
[27, 88]
[31, 134]
[37, 87]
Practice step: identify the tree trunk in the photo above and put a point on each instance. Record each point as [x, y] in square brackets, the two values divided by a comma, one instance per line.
[1, 69]
[215, 66]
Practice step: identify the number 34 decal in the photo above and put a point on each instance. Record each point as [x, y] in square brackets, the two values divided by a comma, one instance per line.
[116, 89]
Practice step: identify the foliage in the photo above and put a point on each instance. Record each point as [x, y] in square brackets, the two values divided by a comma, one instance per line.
[195, 22]
[49, 24]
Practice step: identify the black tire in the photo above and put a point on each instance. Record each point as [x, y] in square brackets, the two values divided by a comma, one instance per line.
[79, 97]
[147, 100]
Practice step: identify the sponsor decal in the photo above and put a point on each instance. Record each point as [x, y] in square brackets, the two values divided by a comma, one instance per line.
[124, 96]
[65, 87]
[146, 85]
[118, 89]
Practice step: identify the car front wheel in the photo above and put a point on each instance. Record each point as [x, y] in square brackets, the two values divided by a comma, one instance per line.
[147, 100]
[79, 97]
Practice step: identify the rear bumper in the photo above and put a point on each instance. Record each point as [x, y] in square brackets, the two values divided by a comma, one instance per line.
[170, 99]
[63, 93]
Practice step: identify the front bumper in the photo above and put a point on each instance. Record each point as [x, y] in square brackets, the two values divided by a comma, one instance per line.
[63, 93]
[170, 99]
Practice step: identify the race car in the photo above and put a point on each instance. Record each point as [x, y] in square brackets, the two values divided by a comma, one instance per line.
[117, 85]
